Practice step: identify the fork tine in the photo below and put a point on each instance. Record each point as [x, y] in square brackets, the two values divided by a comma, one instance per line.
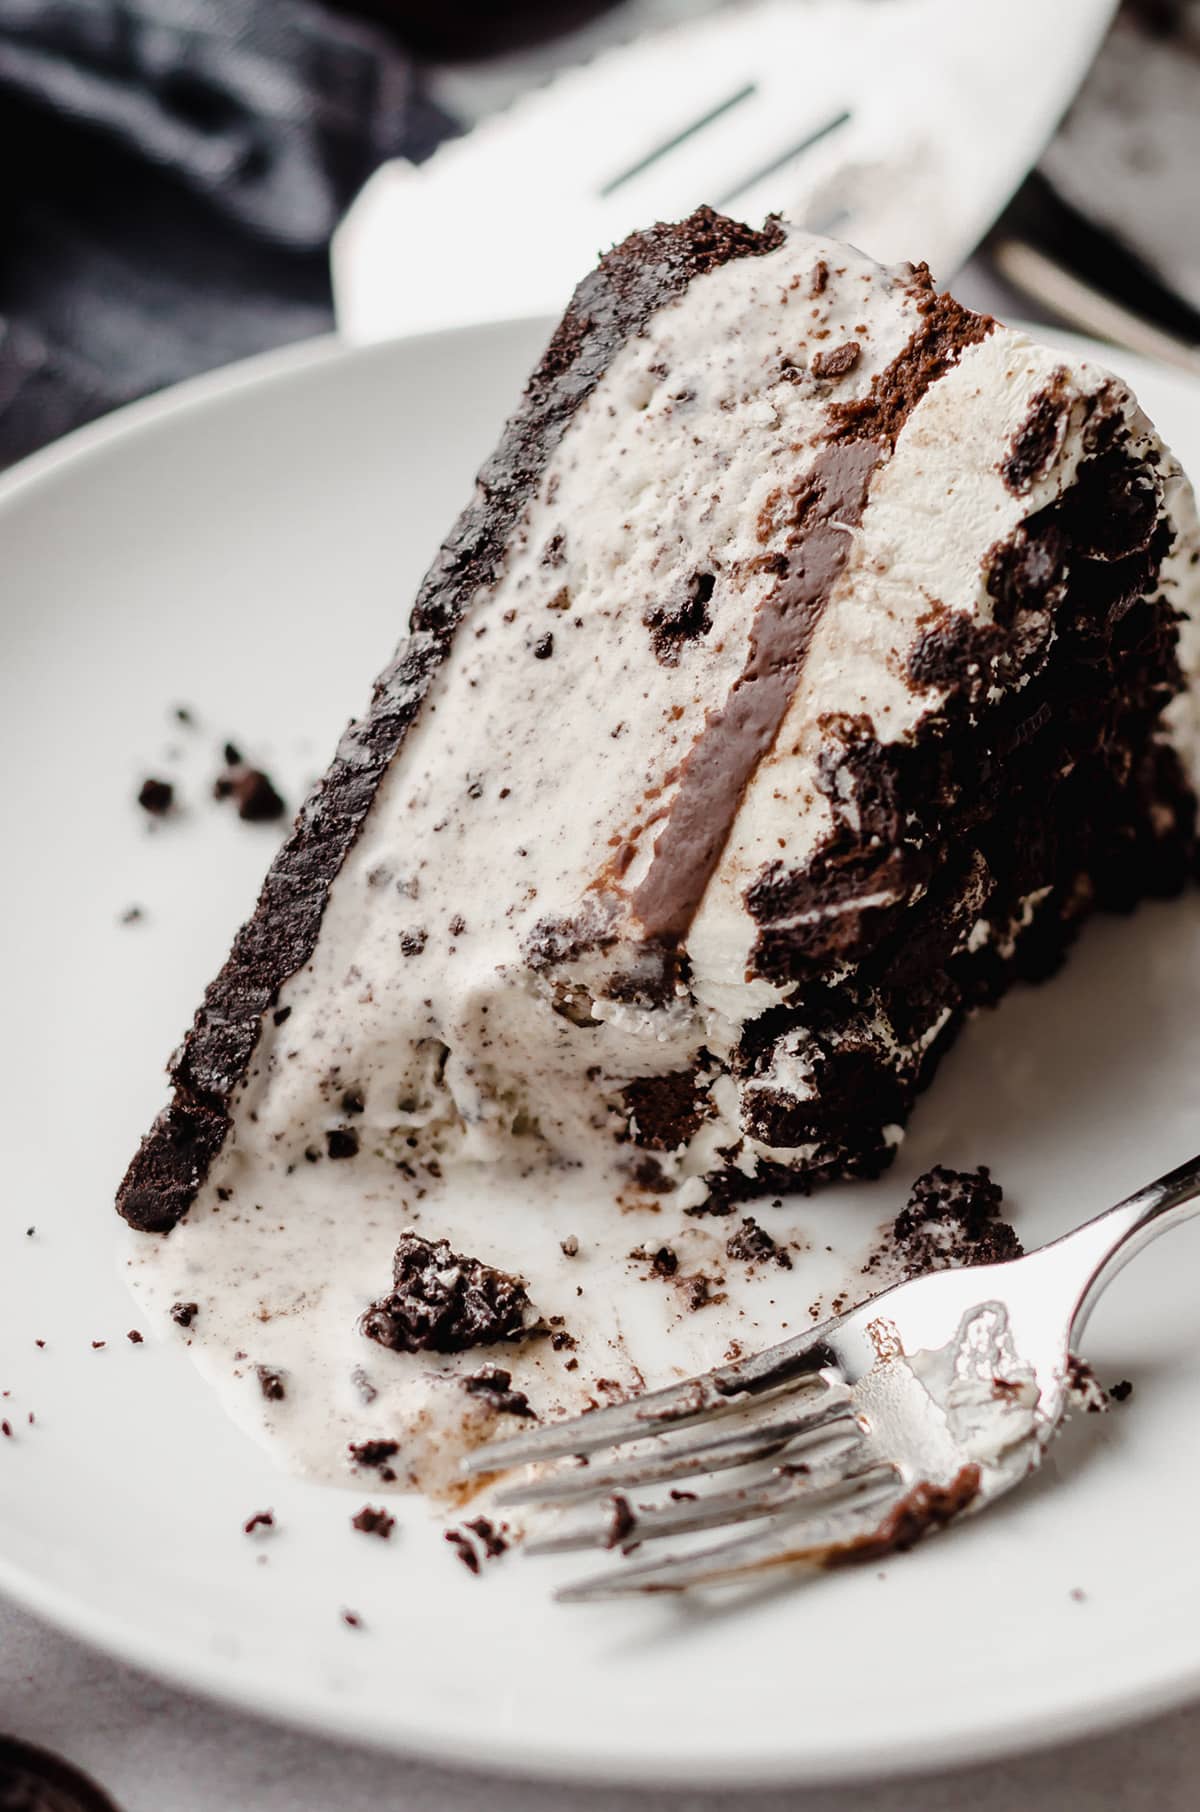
[627, 1527]
[796, 1540]
[793, 1362]
[685, 1459]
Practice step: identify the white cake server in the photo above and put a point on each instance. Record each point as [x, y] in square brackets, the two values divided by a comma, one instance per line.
[901, 125]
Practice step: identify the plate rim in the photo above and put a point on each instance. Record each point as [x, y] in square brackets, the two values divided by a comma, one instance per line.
[993, 1735]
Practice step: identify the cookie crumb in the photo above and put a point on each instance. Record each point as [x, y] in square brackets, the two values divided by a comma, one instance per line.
[262, 1519]
[271, 1383]
[464, 1548]
[156, 796]
[370, 1521]
[133, 1337]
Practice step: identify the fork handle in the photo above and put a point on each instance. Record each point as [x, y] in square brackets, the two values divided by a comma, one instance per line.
[1092, 1255]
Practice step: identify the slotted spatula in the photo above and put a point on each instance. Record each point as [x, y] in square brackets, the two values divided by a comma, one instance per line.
[900, 125]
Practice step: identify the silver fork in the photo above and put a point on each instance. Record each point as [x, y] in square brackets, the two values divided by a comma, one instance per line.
[928, 1401]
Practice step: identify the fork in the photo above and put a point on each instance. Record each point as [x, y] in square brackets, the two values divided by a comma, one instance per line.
[928, 1401]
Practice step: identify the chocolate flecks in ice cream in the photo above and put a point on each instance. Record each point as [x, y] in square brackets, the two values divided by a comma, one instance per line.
[376, 1454]
[464, 1548]
[494, 1386]
[442, 1302]
[873, 650]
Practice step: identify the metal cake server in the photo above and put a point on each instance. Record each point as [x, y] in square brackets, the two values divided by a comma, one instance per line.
[903, 126]
[928, 1401]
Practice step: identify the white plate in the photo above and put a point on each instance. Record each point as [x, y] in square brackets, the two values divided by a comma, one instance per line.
[248, 546]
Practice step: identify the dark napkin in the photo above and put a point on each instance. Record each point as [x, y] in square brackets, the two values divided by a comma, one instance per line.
[173, 170]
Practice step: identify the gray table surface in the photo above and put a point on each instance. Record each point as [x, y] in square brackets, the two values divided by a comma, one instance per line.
[155, 1749]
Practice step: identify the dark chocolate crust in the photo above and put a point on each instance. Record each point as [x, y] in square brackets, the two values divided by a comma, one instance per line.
[611, 304]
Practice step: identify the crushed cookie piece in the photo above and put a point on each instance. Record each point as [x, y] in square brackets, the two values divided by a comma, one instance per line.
[252, 791]
[493, 1384]
[184, 1313]
[952, 1218]
[156, 797]
[443, 1302]
[836, 363]
[134, 1338]
[494, 1540]
[372, 1521]
[262, 1519]
[464, 1548]
[271, 1383]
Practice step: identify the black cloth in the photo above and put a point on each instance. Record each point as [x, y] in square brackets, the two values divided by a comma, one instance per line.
[173, 170]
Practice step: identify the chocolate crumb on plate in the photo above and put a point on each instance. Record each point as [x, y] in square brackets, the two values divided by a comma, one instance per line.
[754, 1245]
[262, 1519]
[352, 1620]
[372, 1521]
[6, 1430]
[184, 1313]
[622, 1522]
[134, 1338]
[443, 1302]
[156, 796]
[464, 1548]
[253, 792]
[1121, 1391]
[377, 1455]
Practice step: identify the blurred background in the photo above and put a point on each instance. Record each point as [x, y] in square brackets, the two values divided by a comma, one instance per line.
[176, 169]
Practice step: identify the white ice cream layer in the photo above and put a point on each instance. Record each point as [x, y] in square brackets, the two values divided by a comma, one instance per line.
[549, 739]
